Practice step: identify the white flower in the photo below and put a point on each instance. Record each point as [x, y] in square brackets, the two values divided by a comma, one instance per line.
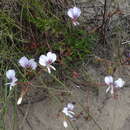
[47, 60]
[65, 124]
[25, 63]
[113, 84]
[10, 74]
[119, 83]
[74, 13]
[68, 110]
[19, 100]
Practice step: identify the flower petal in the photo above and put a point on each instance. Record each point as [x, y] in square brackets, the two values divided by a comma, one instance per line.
[43, 60]
[108, 80]
[51, 56]
[10, 87]
[65, 110]
[70, 106]
[52, 67]
[13, 82]
[10, 74]
[76, 12]
[23, 61]
[70, 114]
[107, 90]
[19, 100]
[32, 64]
[49, 70]
[65, 124]
[70, 13]
[75, 23]
[119, 83]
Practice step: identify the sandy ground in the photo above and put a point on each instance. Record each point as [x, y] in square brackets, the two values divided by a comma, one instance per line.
[106, 112]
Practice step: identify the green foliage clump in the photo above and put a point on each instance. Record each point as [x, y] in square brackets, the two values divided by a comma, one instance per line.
[35, 24]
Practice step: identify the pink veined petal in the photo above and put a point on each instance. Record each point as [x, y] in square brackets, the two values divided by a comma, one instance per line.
[23, 61]
[10, 74]
[33, 64]
[43, 60]
[76, 12]
[119, 83]
[108, 80]
[51, 56]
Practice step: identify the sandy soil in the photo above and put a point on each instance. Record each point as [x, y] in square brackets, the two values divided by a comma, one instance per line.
[105, 112]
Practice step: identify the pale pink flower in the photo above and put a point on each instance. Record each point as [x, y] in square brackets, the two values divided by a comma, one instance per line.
[26, 63]
[74, 13]
[113, 84]
[47, 60]
[68, 110]
[10, 74]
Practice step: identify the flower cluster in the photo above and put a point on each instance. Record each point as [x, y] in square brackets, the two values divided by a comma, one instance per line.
[44, 60]
[68, 111]
[112, 85]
